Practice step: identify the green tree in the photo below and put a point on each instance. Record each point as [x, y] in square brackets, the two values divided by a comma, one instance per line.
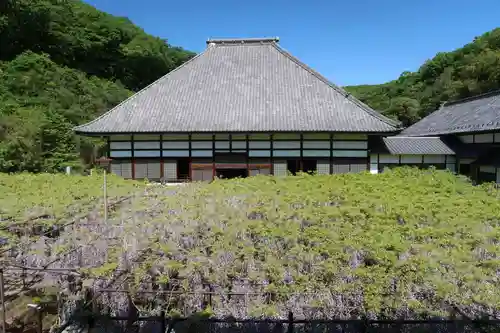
[467, 71]
[63, 63]
[79, 36]
[40, 103]
[405, 109]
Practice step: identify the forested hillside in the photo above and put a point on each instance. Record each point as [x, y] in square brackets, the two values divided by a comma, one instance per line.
[63, 63]
[467, 71]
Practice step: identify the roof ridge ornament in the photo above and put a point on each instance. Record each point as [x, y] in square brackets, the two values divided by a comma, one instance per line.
[242, 40]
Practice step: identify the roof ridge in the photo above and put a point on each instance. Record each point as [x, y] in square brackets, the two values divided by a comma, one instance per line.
[457, 128]
[430, 115]
[135, 94]
[472, 98]
[243, 40]
[346, 94]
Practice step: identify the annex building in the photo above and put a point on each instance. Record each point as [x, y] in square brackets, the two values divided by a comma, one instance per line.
[467, 129]
[246, 106]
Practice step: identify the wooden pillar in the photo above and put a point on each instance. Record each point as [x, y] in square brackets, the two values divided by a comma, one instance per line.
[190, 138]
[378, 163]
[190, 172]
[133, 158]
[331, 153]
[368, 153]
[213, 157]
[271, 152]
[301, 152]
[248, 165]
[162, 171]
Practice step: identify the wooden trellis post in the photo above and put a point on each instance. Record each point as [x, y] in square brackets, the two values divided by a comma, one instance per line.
[2, 300]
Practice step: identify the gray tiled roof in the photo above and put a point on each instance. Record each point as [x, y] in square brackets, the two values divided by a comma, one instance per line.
[431, 145]
[248, 85]
[480, 113]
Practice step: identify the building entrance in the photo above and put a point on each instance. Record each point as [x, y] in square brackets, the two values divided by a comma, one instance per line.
[231, 173]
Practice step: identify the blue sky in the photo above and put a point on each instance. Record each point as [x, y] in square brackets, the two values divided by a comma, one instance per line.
[349, 42]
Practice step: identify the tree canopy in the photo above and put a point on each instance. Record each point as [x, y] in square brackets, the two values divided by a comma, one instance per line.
[79, 36]
[40, 102]
[467, 71]
[63, 63]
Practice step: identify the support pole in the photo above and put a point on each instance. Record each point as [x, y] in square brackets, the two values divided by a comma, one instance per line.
[290, 322]
[163, 323]
[2, 300]
[39, 320]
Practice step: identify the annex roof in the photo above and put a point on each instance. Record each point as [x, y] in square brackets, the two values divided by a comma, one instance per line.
[241, 85]
[432, 145]
[475, 114]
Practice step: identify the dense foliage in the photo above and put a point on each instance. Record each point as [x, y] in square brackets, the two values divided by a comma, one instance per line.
[47, 204]
[36, 204]
[26, 197]
[79, 36]
[63, 63]
[467, 71]
[40, 102]
[401, 243]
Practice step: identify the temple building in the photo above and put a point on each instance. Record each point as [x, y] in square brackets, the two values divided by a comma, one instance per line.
[468, 128]
[245, 107]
